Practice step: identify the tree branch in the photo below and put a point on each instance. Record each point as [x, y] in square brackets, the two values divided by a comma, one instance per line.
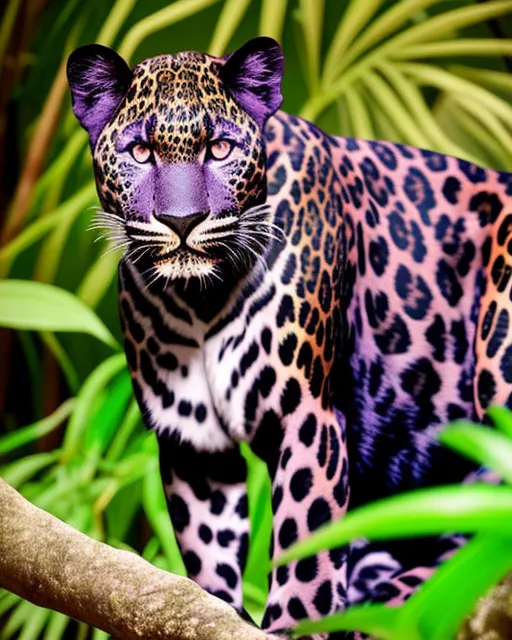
[52, 565]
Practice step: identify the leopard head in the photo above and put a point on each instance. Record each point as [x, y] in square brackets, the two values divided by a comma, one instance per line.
[178, 153]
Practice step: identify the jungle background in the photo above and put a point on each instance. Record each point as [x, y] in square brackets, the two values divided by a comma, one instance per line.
[431, 73]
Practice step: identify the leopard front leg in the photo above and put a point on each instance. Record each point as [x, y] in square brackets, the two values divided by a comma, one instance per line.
[207, 501]
[310, 488]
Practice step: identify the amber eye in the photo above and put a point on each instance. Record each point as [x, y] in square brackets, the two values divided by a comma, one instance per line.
[220, 149]
[141, 153]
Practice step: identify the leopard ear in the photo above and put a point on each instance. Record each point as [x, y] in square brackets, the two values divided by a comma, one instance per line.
[253, 76]
[98, 79]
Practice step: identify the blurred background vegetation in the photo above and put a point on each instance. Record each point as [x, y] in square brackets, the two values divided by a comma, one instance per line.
[432, 73]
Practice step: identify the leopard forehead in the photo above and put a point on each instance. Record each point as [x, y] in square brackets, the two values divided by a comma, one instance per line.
[183, 96]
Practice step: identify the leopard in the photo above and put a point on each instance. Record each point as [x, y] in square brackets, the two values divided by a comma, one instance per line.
[327, 301]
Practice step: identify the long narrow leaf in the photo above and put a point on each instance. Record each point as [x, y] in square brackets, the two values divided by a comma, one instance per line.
[387, 100]
[379, 621]
[483, 445]
[231, 16]
[438, 608]
[433, 511]
[311, 15]
[272, 18]
[24, 435]
[96, 382]
[170, 14]
[463, 47]
[352, 22]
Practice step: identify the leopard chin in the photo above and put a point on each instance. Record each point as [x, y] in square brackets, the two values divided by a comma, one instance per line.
[186, 265]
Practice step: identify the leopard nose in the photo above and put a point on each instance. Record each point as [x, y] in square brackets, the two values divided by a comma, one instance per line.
[181, 225]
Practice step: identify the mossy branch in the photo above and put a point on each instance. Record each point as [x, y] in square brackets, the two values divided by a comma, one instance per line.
[52, 565]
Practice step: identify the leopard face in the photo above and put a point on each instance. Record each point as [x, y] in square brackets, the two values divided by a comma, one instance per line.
[178, 153]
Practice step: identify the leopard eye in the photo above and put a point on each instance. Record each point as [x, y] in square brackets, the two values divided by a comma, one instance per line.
[220, 149]
[141, 153]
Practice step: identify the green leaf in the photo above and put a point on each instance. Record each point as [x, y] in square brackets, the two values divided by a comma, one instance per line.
[377, 620]
[56, 626]
[18, 472]
[230, 18]
[32, 432]
[439, 606]
[82, 412]
[155, 507]
[33, 627]
[272, 17]
[311, 17]
[98, 279]
[159, 20]
[351, 24]
[502, 418]
[483, 445]
[108, 414]
[36, 230]
[260, 518]
[433, 511]
[43, 307]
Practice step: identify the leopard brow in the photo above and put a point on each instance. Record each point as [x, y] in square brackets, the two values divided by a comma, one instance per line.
[226, 127]
[140, 130]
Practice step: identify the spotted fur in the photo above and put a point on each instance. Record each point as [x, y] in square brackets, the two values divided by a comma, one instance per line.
[332, 302]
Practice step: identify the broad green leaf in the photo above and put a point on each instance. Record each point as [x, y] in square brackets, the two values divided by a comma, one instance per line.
[432, 511]
[32, 432]
[482, 444]
[43, 307]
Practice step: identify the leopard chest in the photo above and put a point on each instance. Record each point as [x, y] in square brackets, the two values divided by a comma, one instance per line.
[214, 384]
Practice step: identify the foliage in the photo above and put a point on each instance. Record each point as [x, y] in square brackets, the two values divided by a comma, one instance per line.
[426, 72]
[437, 609]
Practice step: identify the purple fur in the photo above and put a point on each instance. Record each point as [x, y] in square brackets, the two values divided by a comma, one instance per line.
[253, 75]
[98, 79]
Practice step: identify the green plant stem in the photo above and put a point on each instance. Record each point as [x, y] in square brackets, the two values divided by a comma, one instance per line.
[115, 20]
[230, 18]
[171, 14]
[272, 18]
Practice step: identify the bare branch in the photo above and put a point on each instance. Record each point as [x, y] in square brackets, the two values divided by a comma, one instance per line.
[52, 565]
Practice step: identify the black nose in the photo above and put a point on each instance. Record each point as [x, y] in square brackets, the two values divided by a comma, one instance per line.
[182, 225]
